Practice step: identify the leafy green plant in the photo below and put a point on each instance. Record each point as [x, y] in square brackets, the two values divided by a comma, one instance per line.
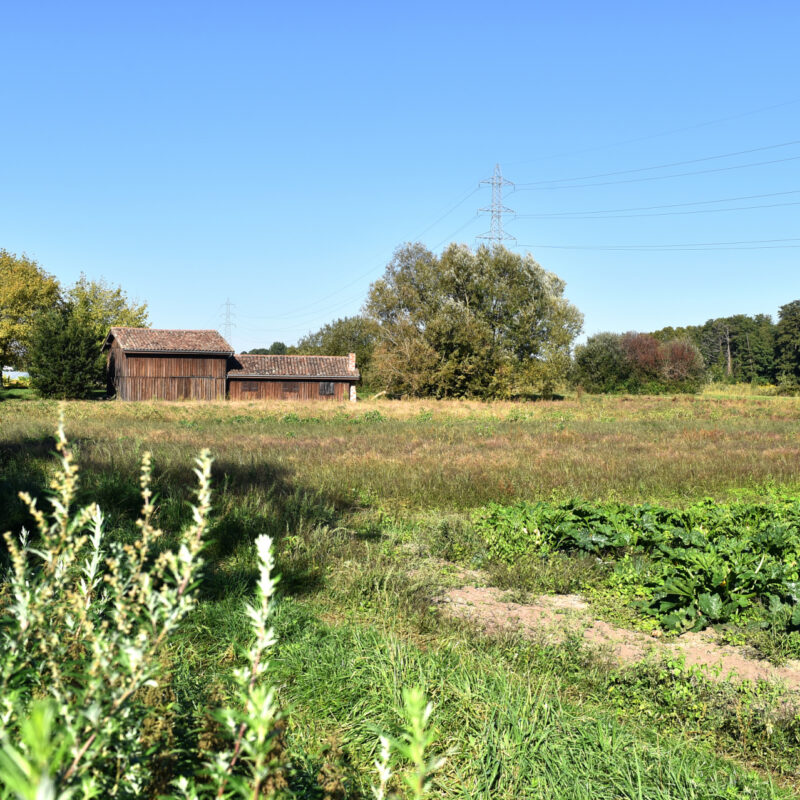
[706, 564]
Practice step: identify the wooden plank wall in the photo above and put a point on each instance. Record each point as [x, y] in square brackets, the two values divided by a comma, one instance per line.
[278, 390]
[196, 388]
[157, 377]
[116, 367]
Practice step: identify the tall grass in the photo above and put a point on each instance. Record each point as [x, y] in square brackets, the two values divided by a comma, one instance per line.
[447, 455]
[363, 503]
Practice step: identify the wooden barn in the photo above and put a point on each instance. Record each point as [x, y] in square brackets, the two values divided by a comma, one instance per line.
[149, 364]
[254, 377]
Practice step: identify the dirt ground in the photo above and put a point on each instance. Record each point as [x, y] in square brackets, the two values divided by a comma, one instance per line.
[553, 618]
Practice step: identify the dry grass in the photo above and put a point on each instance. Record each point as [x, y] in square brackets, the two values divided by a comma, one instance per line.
[428, 454]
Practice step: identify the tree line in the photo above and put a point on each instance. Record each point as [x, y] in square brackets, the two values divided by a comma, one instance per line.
[491, 323]
[484, 323]
[56, 332]
[466, 323]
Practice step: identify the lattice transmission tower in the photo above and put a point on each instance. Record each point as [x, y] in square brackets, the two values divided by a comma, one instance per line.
[496, 234]
[228, 323]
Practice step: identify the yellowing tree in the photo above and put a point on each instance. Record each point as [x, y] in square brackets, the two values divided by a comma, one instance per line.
[25, 289]
[103, 305]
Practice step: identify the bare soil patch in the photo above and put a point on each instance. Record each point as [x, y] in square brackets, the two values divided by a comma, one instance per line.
[551, 618]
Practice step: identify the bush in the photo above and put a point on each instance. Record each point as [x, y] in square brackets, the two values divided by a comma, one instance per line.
[65, 361]
[602, 365]
[637, 363]
[84, 626]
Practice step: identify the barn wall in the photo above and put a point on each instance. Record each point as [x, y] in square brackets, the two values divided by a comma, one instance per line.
[157, 377]
[116, 366]
[275, 390]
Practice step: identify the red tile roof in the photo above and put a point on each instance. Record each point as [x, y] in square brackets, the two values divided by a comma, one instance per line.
[325, 367]
[152, 340]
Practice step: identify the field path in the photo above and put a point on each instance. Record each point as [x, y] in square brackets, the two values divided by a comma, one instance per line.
[553, 617]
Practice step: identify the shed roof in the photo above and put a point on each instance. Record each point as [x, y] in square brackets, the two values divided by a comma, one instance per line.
[323, 367]
[154, 340]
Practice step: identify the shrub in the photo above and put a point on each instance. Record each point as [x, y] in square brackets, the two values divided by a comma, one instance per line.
[602, 365]
[64, 360]
[83, 629]
[637, 363]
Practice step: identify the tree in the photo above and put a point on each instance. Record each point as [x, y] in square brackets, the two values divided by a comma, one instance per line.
[103, 306]
[25, 289]
[64, 360]
[341, 337]
[736, 348]
[682, 366]
[602, 365]
[787, 342]
[275, 349]
[638, 363]
[482, 323]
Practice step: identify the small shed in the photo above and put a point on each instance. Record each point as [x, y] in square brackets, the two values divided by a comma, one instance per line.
[152, 364]
[256, 377]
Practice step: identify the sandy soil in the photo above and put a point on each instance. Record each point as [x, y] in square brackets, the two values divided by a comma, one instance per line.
[552, 618]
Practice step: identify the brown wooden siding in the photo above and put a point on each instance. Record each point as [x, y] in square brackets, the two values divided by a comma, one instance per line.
[167, 377]
[273, 389]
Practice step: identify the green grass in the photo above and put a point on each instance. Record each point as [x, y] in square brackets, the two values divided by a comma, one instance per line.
[371, 507]
[509, 734]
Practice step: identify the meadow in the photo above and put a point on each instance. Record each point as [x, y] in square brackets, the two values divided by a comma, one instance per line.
[380, 507]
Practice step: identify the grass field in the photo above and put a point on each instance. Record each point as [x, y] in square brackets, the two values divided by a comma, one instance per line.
[373, 508]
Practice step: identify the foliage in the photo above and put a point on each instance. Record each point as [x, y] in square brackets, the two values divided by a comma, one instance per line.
[343, 336]
[64, 356]
[275, 349]
[104, 306]
[25, 289]
[85, 626]
[734, 349]
[787, 342]
[706, 564]
[482, 323]
[601, 365]
[637, 363]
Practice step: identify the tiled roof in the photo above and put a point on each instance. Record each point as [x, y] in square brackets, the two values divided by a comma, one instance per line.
[152, 340]
[255, 366]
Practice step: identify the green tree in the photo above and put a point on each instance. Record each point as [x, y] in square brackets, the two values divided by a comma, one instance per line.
[25, 289]
[102, 306]
[736, 348]
[63, 359]
[275, 349]
[470, 323]
[343, 336]
[638, 363]
[787, 341]
[602, 365]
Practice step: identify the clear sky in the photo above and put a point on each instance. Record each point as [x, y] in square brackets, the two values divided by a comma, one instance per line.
[277, 153]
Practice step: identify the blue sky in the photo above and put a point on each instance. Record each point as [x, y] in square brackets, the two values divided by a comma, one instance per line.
[277, 154]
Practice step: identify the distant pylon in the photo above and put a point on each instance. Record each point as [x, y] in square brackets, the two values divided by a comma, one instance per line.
[496, 234]
[228, 323]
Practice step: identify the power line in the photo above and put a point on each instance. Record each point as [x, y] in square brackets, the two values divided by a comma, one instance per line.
[449, 210]
[656, 135]
[751, 244]
[663, 166]
[662, 177]
[595, 215]
[667, 205]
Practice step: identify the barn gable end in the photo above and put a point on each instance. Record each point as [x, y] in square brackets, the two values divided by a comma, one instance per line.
[152, 364]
